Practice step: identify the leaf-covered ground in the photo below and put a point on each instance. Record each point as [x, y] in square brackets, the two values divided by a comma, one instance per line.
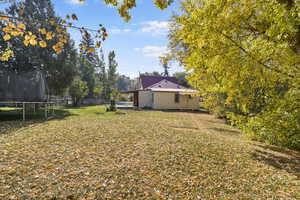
[141, 155]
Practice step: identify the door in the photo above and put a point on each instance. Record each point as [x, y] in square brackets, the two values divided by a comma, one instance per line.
[136, 99]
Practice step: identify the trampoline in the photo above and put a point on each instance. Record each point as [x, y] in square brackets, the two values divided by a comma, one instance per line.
[22, 89]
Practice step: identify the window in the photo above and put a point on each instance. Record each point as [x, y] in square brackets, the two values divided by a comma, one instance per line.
[152, 98]
[177, 98]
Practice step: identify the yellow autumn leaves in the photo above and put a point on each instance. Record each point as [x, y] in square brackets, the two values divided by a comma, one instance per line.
[52, 33]
[6, 54]
[87, 49]
[42, 31]
[39, 38]
[30, 39]
[13, 30]
[6, 37]
[42, 36]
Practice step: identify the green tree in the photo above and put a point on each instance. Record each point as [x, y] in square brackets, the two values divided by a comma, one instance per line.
[63, 69]
[154, 73]
[77, 91]
[97, 92]
[111, 74]
[182, 78]
[87, 41]
[101, 74]
[244, 55]
[123, 83]
[59, 69]
[89, 61]
[87, 74]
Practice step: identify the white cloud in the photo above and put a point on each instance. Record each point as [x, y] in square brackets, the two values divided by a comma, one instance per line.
[155, 27]
[74, 2]
[119, 31]
[152, 51]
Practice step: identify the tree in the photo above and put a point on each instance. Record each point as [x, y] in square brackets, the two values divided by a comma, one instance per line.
[101, 74]
[77, 91]
[87, 41]
[59, 69]
[125, 6]
[62, 69]
[50, 31]
[14, 26]
[244, 55]
[97, 92]
[88, 64]
[87, 74]
[123, 83]
[111, 74]
[154, 73]
[182, 80]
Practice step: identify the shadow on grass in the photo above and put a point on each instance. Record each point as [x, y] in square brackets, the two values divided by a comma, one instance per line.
[99, 113]
[226, 131]
[12, 120]
[278, 157]
[76, 107]
[200, 111]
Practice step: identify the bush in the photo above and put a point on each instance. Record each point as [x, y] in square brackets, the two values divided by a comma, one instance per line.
[275, 120]
[123, 98]
[279, 124]
[78, 90]
[112, 107]
[215, 104]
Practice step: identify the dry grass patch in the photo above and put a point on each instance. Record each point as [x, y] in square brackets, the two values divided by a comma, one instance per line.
[141, 156]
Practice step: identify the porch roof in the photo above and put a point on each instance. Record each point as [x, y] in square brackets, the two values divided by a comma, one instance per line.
[129, 91]
[182, 91]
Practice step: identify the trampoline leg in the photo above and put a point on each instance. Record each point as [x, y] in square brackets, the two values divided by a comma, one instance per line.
[23, 111]
[53, 112]
[46, 111]
[34, 108]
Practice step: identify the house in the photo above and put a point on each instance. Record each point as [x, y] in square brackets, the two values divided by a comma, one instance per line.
[159, 92]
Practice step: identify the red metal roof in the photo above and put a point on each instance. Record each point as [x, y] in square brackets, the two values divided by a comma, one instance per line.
[148, 81]
[166, 84]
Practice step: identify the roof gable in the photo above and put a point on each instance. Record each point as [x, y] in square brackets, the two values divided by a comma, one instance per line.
[166, 84]
[147, 81]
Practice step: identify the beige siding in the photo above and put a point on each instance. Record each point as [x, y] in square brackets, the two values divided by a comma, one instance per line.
[166, 100]
[145, 99]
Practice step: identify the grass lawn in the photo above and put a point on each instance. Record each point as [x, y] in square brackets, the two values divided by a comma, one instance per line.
[9, 108]
[140, 155]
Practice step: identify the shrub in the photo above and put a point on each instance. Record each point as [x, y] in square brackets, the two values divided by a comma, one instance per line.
[279, 124]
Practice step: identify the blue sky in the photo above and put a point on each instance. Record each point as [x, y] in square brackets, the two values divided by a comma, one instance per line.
[137, 43]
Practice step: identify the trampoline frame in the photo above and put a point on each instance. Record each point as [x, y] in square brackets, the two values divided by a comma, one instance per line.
[48, 107]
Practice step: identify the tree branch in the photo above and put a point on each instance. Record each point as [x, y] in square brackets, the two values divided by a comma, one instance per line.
[47, 23]
[251, 56]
